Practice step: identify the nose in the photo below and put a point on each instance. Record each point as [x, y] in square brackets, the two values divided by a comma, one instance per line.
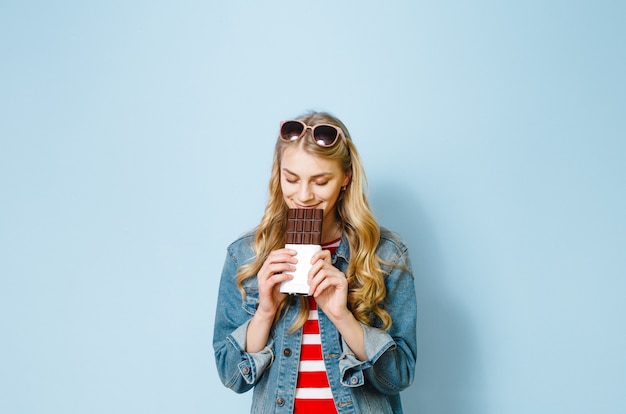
[304, 193]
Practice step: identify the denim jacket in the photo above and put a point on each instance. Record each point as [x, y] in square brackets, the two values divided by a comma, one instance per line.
[370, 386]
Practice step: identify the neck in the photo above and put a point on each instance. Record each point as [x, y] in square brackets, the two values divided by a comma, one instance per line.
[330, 231]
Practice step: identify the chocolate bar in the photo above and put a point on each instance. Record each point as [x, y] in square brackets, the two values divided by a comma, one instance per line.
[304, 226]
[304, 235]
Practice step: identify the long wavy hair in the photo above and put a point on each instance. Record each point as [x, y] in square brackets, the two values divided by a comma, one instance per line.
[365, 276]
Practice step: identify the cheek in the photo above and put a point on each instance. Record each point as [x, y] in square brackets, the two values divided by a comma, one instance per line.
[286, 189]
[328, 194]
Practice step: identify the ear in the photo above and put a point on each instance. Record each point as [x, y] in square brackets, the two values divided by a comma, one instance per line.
[347, 179]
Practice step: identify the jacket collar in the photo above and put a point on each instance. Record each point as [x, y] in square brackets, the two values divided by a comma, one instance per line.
[343, 251]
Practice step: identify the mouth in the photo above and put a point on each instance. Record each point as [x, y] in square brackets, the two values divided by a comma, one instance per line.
[306, 207]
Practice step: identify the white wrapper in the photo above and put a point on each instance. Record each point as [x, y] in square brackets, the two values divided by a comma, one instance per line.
[299, 284]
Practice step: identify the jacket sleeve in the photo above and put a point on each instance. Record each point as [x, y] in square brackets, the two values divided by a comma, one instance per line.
[238, 369]
[390, 367]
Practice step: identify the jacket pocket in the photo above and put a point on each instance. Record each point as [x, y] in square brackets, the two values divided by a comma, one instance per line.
[250, 302]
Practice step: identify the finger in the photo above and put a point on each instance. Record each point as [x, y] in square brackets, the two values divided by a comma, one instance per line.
[278, 257]
[319, 276]
[282, 256]
[321, 255]
[271, 286]
[335, 284]
[315, 270]
[320, 265]
[319, 288]
[279, 278]
[274, 269]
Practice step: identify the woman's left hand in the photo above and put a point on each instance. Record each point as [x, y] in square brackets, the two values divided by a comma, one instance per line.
[328, 285]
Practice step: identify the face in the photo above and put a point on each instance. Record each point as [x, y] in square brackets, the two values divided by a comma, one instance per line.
[309, 181]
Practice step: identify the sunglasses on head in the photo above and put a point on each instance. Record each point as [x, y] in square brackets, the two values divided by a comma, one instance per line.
[323, 135]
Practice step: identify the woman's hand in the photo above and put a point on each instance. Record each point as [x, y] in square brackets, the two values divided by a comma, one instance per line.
[269, 279]
[329, 286]
[271, 276]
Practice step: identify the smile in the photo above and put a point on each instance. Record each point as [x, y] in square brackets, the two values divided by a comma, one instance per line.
[306, 207]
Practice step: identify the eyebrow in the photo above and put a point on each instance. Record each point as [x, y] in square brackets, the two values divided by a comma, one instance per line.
[324, 174]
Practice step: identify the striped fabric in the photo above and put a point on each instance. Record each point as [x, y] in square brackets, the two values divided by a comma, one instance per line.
[313, 393]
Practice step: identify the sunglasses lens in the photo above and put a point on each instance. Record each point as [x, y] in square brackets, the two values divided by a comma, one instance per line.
[291, 130]
[325, 135]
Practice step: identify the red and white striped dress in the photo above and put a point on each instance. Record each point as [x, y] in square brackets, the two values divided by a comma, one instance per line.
[313, 393]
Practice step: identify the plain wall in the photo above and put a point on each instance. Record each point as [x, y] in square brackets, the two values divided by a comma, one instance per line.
[135, 144]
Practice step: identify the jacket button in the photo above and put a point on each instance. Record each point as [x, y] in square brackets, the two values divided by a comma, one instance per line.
[354, 380]
[280, 402]
[287, 352]
[245, 370]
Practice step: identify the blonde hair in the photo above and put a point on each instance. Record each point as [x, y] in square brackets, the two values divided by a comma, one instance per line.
[358, 224]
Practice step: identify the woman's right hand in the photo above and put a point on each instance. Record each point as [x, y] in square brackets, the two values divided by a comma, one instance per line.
[274, 271]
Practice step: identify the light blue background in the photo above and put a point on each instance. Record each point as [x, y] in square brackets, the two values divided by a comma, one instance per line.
[136, 141]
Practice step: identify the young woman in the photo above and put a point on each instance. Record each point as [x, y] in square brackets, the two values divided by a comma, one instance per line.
[350, 345]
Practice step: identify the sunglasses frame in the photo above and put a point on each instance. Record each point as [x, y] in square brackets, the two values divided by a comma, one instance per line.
[306, 127]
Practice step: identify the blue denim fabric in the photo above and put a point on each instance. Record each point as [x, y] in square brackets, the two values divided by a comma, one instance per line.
[370, 387]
